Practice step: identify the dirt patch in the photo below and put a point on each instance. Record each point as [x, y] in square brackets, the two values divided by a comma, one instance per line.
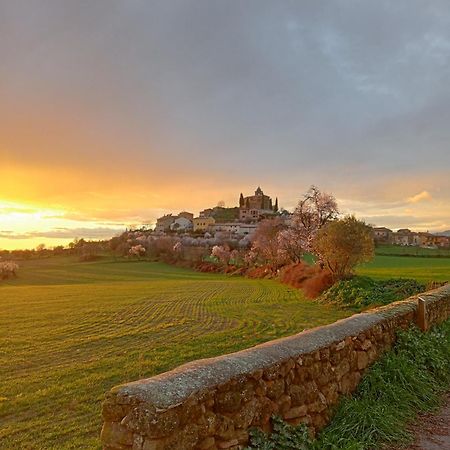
[432, 431]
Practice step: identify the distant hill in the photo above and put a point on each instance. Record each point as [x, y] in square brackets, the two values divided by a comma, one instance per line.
[443, 233]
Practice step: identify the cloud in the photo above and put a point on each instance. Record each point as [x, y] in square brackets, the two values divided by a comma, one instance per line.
[420, 197]
[65, 233]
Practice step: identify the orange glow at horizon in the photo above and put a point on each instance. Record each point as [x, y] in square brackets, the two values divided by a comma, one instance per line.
[54, 205]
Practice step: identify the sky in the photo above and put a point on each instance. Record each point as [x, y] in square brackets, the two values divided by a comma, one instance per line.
[113, 113]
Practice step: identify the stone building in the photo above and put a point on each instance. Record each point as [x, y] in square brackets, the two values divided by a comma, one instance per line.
[204, 223]
[236, 228]
[254, 207]
[186, 215]
[382, 234]
[406, 237]
[164, 223]
[181, 223]
[171, 222]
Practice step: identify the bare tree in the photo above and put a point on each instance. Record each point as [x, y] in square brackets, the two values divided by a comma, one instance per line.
[222, 253]
[266, 242]
[313, 211]
[290, 246]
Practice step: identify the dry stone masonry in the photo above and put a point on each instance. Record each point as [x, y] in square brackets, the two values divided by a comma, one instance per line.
[212, 403]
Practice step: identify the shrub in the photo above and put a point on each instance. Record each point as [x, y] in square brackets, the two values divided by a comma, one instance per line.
[8, 269]
[137, 250]
[222, 253]
[310, 278]
[361, 292]
[342, 244]
[284, 437]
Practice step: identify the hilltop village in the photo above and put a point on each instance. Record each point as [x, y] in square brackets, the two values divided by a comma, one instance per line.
[241, 220]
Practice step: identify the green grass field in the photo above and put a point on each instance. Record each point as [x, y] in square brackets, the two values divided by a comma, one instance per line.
[399, 250]
[421, 269]
[70, 331]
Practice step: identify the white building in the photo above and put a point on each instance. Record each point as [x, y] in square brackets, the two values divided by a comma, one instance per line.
[181, 224]
[238, 228]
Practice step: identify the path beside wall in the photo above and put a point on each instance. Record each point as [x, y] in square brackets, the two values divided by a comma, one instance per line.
[211, 404]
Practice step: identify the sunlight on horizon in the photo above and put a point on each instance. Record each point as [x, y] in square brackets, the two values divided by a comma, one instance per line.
[26, 226]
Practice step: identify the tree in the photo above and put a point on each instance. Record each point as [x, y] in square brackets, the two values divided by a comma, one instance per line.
[312, 213]
[290, 247]
[241, 201]
[222, 253]
[8, 269]
[342, 244]
[58, 250]
[266, 243]
[137, 250]
[40, 248]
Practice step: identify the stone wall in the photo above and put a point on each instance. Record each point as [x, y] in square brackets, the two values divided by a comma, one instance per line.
[211, 404]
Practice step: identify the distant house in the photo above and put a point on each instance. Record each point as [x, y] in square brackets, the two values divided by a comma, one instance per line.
[203, 223]
[415, 239]
[237, 228]
[247, 229]
[433, 240]
[404, 236]
[186, 215]
[382, 234]
[443, 241]
[182, 221]
[232, 227]
[426, 240]
[181, 224]
[164, 223]
[250, 214]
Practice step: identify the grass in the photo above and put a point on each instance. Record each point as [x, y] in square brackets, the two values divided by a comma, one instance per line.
[421, 269]
[362, 292]
[389, 266]
[400, 250]
[407, 380]
[70, 331]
